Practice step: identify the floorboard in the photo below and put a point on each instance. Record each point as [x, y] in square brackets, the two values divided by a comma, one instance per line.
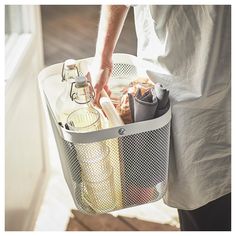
[71, 32]
[107, 222]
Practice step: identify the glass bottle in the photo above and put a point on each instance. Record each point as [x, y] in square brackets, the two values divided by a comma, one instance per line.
[86, 117]
[64, 104]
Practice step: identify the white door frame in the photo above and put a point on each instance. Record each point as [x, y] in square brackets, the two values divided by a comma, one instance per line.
[24, 60]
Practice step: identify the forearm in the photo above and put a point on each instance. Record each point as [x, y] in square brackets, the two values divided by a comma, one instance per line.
[110, 26]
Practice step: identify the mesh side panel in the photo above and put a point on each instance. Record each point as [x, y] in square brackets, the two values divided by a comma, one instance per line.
[120, 69]
[70, 166]
[145, 165]
[118, 173]
[99, 175]
[72, 161]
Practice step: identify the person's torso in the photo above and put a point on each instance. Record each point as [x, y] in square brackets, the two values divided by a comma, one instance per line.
[191, 45]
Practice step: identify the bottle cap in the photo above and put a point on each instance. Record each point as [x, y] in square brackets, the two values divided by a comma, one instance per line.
[80, 81]
[70, 64]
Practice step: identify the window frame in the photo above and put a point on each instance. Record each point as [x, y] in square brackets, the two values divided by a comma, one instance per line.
[18, 44]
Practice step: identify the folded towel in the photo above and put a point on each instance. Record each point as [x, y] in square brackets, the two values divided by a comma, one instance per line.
[144, 110]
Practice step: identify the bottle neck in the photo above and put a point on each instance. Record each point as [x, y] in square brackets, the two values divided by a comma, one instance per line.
[77, 94]
[82, 95]
[69, 73]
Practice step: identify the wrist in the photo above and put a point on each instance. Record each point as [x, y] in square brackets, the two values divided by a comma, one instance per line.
[104, 60]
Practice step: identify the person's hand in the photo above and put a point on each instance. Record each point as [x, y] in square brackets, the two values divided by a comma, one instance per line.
[103, 76]
[111, 22]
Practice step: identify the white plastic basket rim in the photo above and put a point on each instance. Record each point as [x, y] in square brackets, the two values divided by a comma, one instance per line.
[109, 133]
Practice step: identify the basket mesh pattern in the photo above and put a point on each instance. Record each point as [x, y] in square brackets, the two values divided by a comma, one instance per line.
[145, 165]
[120, 70]
[110, 175]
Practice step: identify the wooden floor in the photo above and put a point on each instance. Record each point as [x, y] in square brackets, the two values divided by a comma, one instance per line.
[71, 32]
[107, 222]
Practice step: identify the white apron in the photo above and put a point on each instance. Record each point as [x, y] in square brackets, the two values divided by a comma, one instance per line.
[191, 46]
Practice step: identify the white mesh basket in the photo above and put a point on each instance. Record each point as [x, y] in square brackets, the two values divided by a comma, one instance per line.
[136, 154]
